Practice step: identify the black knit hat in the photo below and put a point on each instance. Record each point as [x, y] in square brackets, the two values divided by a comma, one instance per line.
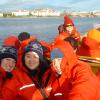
[8, 52]
[35, 46]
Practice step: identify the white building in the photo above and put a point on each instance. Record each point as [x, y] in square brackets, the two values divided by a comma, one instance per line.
[1, 14]
[21, 13]
[45, 12]
[97, 13]
[82, 14]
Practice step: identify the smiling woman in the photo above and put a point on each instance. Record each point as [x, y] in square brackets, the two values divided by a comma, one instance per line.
[8, 59]
[33, 55]
[35, 70]
[31, 60]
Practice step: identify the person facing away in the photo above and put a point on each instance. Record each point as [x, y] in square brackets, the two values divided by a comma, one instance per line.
[67, 29]
[8, 60]
[30, 80]
[76, 80]
[60, 28]
[25, 38]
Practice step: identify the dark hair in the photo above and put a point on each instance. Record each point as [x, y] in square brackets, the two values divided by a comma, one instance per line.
[23, 36]
[73, 42]
[61, 28]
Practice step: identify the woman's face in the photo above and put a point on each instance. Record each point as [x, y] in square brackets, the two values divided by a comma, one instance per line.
[31, 60]
[69, 28]
[8, 64]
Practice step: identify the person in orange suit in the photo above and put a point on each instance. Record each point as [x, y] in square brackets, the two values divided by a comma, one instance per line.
[76, 81]
[90, 45]
[25, 39]
[70, 28]
[60, 28]
[31, 80]
[67, 29]
[8, 60]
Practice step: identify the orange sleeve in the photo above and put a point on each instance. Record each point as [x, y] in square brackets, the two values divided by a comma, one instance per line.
[85, 85]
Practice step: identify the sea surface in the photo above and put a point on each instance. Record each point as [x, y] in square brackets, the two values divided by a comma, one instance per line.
[44, 28]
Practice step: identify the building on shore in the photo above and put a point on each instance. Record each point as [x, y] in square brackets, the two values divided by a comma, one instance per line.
[1, 14]
[45, 12]
[21, 13]
[96, 13]
[80, 14]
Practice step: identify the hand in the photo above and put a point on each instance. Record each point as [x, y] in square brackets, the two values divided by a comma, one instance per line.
[56, 65]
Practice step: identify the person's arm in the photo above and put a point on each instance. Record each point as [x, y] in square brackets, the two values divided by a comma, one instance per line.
[85, 84]
[56, 65]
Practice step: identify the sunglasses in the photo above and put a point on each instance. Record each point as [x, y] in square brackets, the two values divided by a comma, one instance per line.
[69, 25]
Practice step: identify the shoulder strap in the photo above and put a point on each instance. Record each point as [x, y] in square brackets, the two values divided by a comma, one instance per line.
[47, 80]
[45, 97]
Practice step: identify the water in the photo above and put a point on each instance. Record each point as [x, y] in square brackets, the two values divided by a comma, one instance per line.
[43, 28]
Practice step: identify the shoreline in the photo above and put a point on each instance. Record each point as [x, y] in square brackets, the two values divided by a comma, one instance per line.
[49, 17]
[33, 17]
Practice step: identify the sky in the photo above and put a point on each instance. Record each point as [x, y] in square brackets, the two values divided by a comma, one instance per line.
[74, 5]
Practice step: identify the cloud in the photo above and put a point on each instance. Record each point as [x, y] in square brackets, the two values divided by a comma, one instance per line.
[76, 1]
[11, 2]
[2, 2]
[60, 4]
[19, 4]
